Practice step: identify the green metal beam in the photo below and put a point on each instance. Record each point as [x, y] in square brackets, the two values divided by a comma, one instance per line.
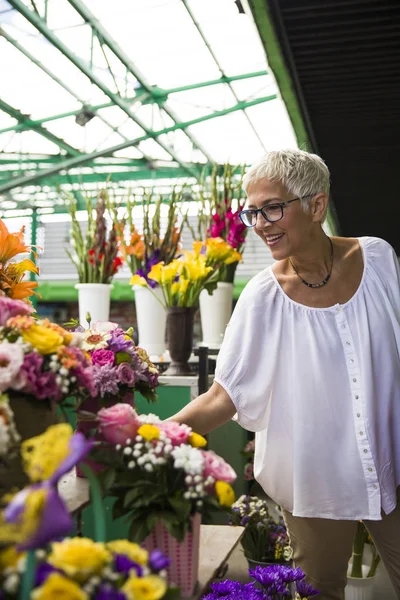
[201, 32]
[41, 26]
[54, 77]
[86, 14]
[21, 118]
[276, 61]
[221, 80]
[79, 161]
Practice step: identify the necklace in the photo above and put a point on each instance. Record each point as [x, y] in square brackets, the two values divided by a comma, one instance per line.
[324, 281]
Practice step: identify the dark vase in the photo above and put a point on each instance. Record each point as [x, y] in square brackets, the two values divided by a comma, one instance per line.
[32, 418]
[180, 338]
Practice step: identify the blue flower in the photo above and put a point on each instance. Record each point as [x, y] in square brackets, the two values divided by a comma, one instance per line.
[123, 564]
[305, 590]
[223, 588]
[158, 561]
[42, 572]
[107, 592]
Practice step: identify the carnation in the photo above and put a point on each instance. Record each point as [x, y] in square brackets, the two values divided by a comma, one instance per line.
[178, 434]
[105, 379]
[216, 467]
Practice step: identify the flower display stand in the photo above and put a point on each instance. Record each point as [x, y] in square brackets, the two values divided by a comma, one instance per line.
[151, 320]
[215, 312]
[184, 568]
[94, 298]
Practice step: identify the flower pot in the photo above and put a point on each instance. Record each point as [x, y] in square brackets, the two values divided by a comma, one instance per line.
[151, 319]
[93, 405]
[179, 338]
[94, 298]
[32, 418]
[215, 312]
[184, 568]
[360, 588]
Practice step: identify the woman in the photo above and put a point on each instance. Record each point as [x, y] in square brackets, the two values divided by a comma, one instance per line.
[310, 361]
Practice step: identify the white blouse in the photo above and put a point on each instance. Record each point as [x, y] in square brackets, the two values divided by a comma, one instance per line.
[321, 387]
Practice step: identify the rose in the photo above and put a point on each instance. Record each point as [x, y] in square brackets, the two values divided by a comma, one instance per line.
[102, 357]
[178, 434]
[79, 558]
[126, 374]
[118, 423]
[216, 467]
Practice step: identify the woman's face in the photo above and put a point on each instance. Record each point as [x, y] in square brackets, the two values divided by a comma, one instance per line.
[289, 235]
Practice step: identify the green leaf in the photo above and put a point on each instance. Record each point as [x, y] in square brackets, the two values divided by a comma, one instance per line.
[181, 506]
[138, 530]
[118, 509]
[106, 479]
[173, 593]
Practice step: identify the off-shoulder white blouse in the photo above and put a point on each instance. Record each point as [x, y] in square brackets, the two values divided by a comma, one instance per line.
[321, 387]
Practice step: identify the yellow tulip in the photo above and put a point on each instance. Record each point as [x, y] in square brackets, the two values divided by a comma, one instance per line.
[138, 280]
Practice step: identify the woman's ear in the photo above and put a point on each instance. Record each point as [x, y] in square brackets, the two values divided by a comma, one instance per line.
[319, 205]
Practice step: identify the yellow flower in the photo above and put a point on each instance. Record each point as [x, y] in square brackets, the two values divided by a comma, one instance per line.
[197, 440]
[45, 340]
[43, 454]
[156, 272]
[79, 558]
[175, 288]
[9, 558]
[149, 432]
[197, 246]
[196, 269]
[129, 549]
[57, 586]
[138, 280]
[234, 257]
[169, 272]
[225, 493]
[151, 587]
[28, 520]
[183, 286]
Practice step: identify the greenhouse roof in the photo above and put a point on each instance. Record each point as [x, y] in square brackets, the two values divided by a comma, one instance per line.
[135, 90]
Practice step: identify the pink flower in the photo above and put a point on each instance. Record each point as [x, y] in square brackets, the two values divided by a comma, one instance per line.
[103, 357]
[118, 423]
[248, 473]
[11, 308]
[126, 374]
[104, 326]
[178, 434]
[215, 466]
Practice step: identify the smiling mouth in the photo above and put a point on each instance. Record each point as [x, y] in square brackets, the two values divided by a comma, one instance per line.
[272, 240]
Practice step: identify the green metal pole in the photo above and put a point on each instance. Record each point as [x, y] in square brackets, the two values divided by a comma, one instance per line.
[34, 228]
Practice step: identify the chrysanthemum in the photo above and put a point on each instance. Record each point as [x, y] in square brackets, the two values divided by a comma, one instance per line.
[94, 340]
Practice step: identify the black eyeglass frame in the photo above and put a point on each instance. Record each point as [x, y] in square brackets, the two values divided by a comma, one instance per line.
[281, 205]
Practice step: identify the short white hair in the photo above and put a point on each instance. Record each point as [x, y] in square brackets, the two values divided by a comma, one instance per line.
[301, 173]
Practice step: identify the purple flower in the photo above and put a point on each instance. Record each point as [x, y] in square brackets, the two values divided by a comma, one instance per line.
[41, 384]
[85, 378]
[103, 357]
[42, 572]
[119, 343]
[158, 561]
[123, 564]
[225, 587]
[107, 592]
[105, 379]
[11, 308]
[126, 374]
[304, 589]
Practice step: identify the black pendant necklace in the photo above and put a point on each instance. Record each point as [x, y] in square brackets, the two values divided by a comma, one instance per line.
[324, 281]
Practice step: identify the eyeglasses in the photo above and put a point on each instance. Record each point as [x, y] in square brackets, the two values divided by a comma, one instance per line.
[270, 212]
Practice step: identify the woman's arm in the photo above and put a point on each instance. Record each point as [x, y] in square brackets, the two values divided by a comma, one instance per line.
[208, 411]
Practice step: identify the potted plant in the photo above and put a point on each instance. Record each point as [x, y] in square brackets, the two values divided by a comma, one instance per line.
[275, 582]
[265, 539]
[159, 241]
[361, 576]
[221, 199]
[163, 480]
[181, 283]
[96, 259]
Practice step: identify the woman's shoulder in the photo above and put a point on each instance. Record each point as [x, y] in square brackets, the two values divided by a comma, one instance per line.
[372, 246]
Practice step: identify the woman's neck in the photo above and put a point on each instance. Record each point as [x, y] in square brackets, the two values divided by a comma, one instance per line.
[315, 260]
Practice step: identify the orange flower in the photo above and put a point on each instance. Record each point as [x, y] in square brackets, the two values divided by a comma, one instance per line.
[11, 274]
[11, 244]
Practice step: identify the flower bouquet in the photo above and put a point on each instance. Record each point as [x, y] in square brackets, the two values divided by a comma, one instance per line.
[81, 569]
[276, 582]
[12, 272]
[41, 364]
[155, 244]
[265, 539]
[163, 480]
[95, 257]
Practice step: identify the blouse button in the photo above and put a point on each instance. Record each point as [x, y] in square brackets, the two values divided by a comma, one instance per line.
[370, 469]
[348, 344]
[375, 486]
[365, 451]
[352, 360]
[361, 433]
[356, 397]
[358, 415]
[354, 380]
[343, 326]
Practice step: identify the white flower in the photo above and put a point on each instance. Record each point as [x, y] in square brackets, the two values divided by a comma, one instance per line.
[11, 359]
[131, 464]
[150, 418]
[149, 467]
[95, 340]
[189, 459]
[11, 584]
[127, 451]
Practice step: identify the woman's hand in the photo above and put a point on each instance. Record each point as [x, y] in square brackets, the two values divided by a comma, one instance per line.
[208, 411]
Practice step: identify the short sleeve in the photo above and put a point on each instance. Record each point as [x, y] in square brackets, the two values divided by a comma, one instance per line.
[382, 258]
[245, 364]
